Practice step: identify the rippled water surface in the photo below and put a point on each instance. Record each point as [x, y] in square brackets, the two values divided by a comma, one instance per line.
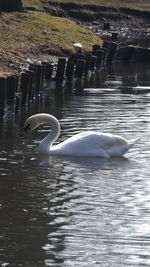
[58, 211]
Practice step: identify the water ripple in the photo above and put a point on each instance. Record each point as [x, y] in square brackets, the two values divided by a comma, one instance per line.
[78, 211]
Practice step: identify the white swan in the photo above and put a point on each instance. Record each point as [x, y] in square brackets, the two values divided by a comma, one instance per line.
[90, 143]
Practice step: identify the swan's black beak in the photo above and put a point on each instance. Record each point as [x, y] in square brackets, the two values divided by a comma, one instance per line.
[27, 130]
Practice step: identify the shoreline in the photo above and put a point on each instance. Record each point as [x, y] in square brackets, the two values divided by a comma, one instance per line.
[132, 27]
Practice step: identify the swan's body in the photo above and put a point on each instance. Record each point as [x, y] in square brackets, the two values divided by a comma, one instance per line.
[90, 143]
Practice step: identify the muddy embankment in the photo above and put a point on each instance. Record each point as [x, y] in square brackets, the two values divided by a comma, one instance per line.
[132, 25]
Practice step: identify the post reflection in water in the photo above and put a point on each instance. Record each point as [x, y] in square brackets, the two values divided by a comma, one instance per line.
[69, 211]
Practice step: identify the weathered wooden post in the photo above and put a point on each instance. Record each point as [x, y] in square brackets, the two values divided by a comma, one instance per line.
[105, 50]
[60, 71]
[93, 63]
[34, 69]
[99, 79]
[81, 56]
[69, 70]
[24, 87]
[17, 94]
[48, 70]
[43, 74]
[80, 67]
[88, 62]
[3, 88]
[92, 80]
[31, 84]
[38, 76]
[79, 86]
[12, 84]
[100, 56]
[68, 87]
[111, 52]
[95, 47]
[106, 44]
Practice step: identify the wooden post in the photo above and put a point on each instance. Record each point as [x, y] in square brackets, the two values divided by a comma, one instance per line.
[3, 88]
[88, 62]
[60, 70]
[98, 79]
[95, 48]
[34, 69]
[111, 52]
[68, 87]
[12, 84]
[92, 80]
[48, 70]
[100, 56]
[43, 74]
[31, 84]
[17, 94]
[80, 67]
[80, 56]
[93, 63]
[24, 87]
[69, 70]
[78, 87]
[106, 47]
[38, 76]
[106, 44]
[105, 51]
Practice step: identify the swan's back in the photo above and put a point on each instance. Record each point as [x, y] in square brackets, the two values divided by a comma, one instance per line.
[89, 144]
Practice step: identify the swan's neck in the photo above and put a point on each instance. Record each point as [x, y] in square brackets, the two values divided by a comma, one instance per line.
[47, 142]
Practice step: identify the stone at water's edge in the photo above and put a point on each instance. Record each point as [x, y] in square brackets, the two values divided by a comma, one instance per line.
[11, 5]
[141, 54]
[132, 54]
[125, 54]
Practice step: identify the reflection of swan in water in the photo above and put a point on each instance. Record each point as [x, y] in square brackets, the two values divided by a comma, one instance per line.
[87, 144]
[70, 164]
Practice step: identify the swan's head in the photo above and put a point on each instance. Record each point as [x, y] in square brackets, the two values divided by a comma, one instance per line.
[30, 124]
[39, 119]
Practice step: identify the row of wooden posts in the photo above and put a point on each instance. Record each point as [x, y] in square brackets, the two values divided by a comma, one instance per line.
[18, 90]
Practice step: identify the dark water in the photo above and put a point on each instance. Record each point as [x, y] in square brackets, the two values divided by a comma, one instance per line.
[79, 211]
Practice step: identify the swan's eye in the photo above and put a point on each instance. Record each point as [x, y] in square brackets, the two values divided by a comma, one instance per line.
[27, 129]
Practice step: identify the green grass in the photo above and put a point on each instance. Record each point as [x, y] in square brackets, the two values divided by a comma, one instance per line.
[38, 31]
[35, 32]
[141, 4]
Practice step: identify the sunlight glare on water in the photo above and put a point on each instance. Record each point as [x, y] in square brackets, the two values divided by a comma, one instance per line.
[69, 211]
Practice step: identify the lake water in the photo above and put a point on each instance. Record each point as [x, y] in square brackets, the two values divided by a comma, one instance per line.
[57, 211]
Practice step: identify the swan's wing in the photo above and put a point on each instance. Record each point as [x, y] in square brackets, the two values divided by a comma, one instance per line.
[120, 148]
[89, 143]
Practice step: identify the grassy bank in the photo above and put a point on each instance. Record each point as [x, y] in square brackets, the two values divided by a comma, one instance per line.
[23, 34]
[139, 4]
[33, 34]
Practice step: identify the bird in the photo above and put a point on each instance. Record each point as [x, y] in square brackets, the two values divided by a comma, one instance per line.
[87, 143]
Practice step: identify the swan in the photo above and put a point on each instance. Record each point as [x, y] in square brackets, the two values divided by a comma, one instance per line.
[89, 143]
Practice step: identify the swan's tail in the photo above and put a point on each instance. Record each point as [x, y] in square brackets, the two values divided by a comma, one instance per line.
[133, 141]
